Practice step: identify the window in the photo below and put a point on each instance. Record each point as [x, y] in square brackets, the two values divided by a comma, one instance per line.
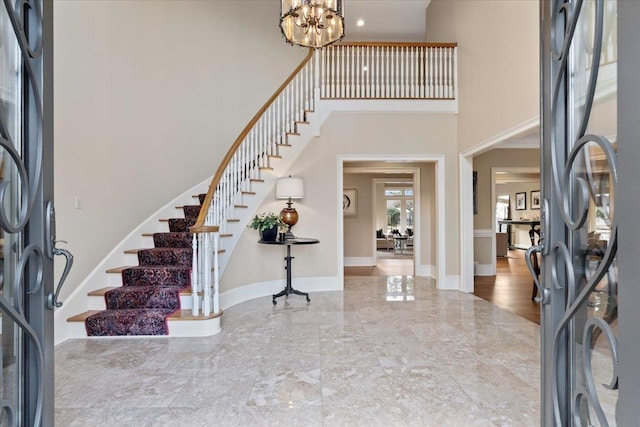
[400, 208]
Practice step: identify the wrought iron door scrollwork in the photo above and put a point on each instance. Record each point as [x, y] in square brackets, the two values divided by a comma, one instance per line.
[573, 191]
[17, 200]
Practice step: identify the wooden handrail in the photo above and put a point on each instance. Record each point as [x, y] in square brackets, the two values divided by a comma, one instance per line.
[206, 203]
[395, 44]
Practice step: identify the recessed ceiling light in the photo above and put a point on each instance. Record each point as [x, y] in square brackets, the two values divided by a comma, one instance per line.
[360, 23]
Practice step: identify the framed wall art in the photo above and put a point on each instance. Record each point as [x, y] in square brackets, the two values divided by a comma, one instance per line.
[521, 201]
[535, 199]
[350, 202]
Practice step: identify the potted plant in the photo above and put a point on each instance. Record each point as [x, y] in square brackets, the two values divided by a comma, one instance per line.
[267, 225]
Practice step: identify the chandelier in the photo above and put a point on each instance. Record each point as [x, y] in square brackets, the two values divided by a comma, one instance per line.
[312, 23]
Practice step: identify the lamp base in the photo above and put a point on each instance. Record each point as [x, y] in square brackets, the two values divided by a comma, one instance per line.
[289, 216]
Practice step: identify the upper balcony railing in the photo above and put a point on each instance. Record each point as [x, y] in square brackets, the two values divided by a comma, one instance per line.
[374, 70]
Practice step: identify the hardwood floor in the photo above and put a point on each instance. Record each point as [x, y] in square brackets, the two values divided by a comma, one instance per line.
[511, 288]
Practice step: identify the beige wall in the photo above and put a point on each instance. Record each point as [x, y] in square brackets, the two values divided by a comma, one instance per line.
[148, 98]
[498, 62]
[351, 134]
[357, 229]
[503, 158]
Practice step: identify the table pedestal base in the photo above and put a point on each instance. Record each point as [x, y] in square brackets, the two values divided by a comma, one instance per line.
[286, 292]
[288, 289]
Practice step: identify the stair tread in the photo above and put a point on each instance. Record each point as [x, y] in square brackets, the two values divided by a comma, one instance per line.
[256, 180]
[100, 292]
[274, 156]
[135, 251]
[124, 267]
[118, 269]
[251, 193]
[185, 314]
[283, 145]
[240, 206]
[83, 316]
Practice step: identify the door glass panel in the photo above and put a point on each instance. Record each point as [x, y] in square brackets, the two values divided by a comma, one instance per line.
[593, 198]
[10, 244]
[409, 212]
[393, 215]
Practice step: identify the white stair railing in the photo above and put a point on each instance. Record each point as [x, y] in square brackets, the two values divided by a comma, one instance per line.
[250, 153]
[373, 70]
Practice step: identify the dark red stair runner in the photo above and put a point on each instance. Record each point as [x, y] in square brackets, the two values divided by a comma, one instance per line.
[150, 292]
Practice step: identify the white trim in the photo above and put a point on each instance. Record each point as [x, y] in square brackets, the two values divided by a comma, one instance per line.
[425, 270]
[262, 289]
[466, 224]
[193, 328]
[439, 160]
[485, 270]
[483, 233]
[528, 143]
[522, 129]
[359, 261]
[452, 284]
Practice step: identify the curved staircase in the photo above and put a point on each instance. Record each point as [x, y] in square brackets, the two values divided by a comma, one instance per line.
[150, 297]
[174, 289]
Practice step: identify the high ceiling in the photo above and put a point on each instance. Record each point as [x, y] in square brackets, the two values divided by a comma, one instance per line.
[386, 20]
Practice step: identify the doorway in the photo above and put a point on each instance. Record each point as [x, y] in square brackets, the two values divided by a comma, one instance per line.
[394, 203]
[428, 185]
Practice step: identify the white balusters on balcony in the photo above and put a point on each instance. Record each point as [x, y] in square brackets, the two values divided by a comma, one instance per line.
[388, 71]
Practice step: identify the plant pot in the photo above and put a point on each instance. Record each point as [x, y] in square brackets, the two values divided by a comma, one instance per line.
[269, 235]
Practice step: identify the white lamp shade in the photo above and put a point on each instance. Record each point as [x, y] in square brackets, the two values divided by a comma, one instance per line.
[289, 188]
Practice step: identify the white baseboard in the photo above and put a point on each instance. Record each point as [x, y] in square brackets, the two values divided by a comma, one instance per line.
[359, 262]
[425, 270]
[485, 270]
[450, 283]
[256, 290]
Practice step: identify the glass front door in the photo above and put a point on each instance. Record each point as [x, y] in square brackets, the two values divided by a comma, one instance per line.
[582, 284]
[26, 187]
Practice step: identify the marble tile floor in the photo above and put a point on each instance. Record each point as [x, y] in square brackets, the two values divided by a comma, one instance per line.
[388, 351]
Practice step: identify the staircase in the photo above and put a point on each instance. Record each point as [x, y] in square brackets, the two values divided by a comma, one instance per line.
[174, 289]
[154, 293]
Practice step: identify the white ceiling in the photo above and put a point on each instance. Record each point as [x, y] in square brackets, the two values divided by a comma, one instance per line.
[386, 20]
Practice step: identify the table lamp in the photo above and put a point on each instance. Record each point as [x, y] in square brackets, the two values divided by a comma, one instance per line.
[289, 188]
